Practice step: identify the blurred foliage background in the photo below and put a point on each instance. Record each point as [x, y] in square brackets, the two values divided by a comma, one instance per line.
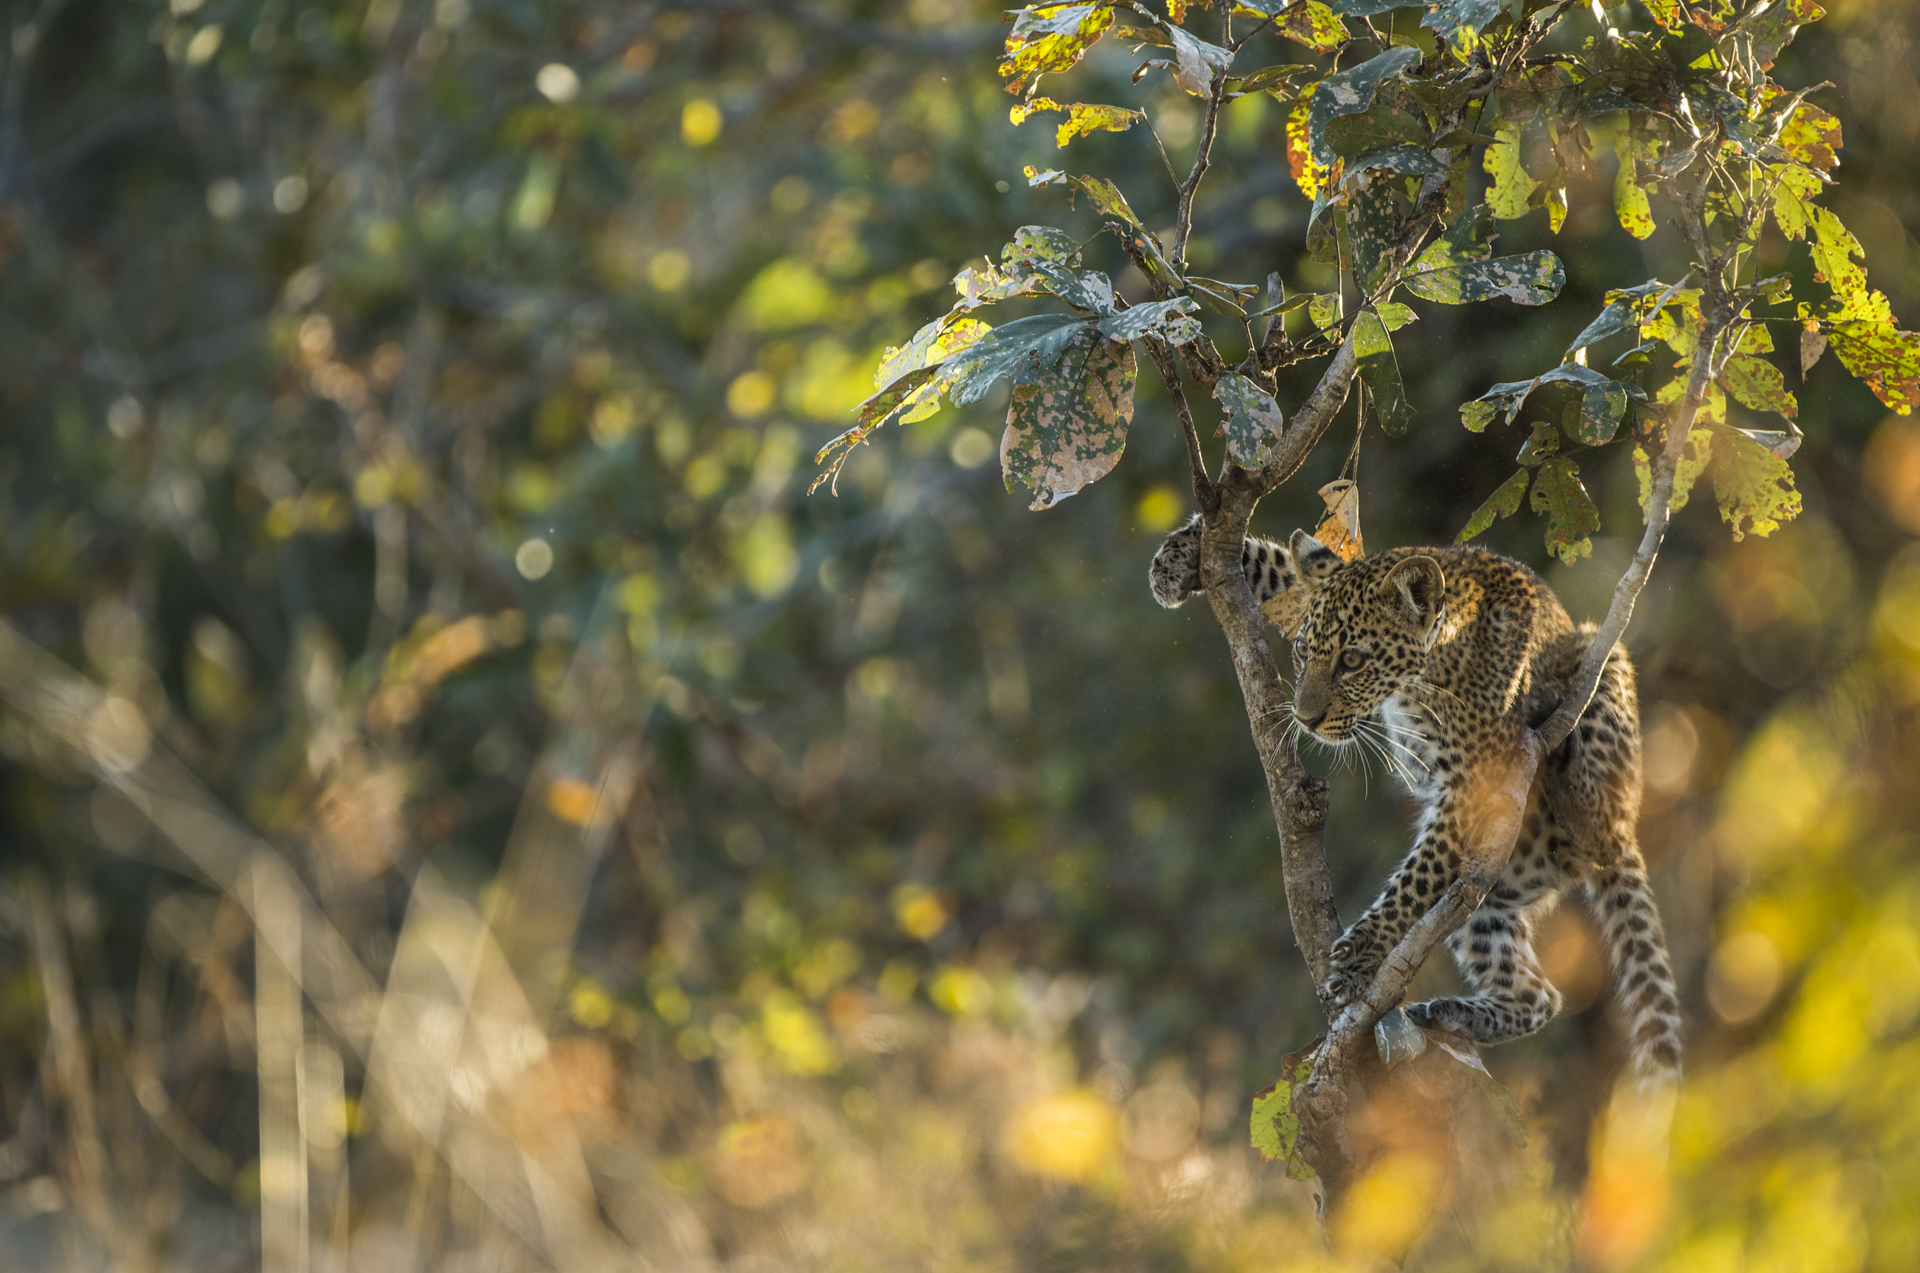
[465, 807]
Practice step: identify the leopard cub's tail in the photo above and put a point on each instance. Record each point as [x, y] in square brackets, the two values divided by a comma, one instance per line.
[1642, 971]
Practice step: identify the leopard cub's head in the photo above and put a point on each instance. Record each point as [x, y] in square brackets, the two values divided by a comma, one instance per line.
[1365, 629]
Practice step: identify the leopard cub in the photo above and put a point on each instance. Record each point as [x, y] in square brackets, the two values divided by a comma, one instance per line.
[1441, 658]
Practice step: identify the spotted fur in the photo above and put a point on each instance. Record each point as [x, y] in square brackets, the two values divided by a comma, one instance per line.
[1439, 658]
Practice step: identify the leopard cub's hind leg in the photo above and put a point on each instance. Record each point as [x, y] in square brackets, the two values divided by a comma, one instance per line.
[1494, 949]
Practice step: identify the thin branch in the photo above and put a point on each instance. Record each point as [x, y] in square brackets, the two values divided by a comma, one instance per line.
[1202, 159]
[1626, 593]
[1161, 146]
[1203, 489]
[1719, 314]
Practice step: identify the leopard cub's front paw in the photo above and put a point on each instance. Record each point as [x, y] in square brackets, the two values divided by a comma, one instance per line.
[1175, 574]
[1352, 971]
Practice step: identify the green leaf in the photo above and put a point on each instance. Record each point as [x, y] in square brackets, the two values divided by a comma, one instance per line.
[1883, 358]
[1603, 402]
[1541, 446]
[1051, 259]
[1274, 1127]
[1638, 356]
[1386, 123]
[1394, 314]
[1469, 238]
[978, 287]
[1323, 310]
[1349, 93]
[1140, 35]
[1464, 137]
[1792, 210]
[1533, 278]
[1108, 201]
[1289, 305]
[1381, 373]
[1774, 27]
[1570, 511]
[1833, 250]
[1813, 137]
[1617, 317]
[1512, 188]
[1510, 394]
[1048, 38]
[1371, 228]
[1277, 80]
[1694, 456]
[1250, 418]
[1753, 485]
[1166, 319]
[1021, 349]
[1033, 243]
[1067, 426]
[1450, 17]
[1230, 299]
[937, 341]
[1630, 202]
[1504, 502]
[1414, 161]
[1478, 414]
[1312, 24]
[1671, 14]
[1758, 384]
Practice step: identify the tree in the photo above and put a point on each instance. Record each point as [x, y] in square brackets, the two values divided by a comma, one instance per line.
[1385, 134]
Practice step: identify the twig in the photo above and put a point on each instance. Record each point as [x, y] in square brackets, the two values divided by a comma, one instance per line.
[1203, 487]
[1720, 313]
[1202, 159]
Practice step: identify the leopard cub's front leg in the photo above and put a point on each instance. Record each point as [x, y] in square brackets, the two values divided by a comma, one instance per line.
[1415, 886]
[1356, 957]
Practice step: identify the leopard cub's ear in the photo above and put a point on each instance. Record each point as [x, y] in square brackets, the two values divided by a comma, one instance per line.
[1313, 561]
[1415, 592]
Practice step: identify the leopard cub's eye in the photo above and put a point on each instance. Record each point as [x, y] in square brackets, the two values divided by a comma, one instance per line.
[1351, 659]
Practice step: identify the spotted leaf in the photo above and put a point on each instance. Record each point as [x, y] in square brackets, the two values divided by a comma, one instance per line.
[1753, 485]
[1067, 426]
[1048, 38]
[1250, 418]
[1571, 514]
[1275, 1128]
[1532, 278]
[1350, 92]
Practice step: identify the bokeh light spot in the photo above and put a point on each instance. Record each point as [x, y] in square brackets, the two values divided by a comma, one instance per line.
[533, 559]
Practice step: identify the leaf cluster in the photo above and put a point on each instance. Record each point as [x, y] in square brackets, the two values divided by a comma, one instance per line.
[1384, 130]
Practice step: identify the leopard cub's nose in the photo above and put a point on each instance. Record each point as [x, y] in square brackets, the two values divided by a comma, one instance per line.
[1313, 723]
